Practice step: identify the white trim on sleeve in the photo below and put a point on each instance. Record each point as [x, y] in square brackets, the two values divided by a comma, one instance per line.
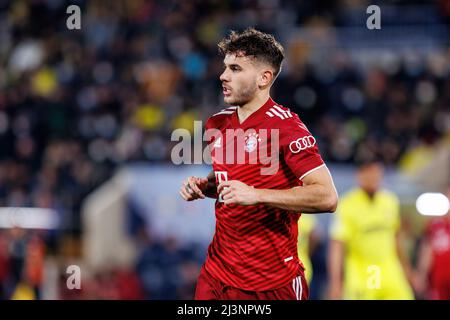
[312, 170]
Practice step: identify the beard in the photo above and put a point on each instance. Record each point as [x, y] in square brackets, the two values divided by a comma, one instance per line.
[242, 96]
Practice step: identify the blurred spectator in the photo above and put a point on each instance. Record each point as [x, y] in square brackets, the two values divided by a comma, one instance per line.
[34, 264]
[4, 265]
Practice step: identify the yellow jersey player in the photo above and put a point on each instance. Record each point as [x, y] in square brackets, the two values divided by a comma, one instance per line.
[365, 260]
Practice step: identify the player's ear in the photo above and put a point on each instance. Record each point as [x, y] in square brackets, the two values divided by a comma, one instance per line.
[266, 77]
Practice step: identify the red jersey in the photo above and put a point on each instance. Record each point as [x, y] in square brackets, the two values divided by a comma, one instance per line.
[255, 247]
[438, 235]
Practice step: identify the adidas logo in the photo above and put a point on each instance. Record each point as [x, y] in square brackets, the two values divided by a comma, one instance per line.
[278, 112]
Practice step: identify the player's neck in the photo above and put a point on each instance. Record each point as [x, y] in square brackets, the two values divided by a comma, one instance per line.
[370, 194]
[247, 109]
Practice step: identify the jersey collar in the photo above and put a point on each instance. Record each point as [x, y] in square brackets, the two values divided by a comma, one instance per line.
[255, 118]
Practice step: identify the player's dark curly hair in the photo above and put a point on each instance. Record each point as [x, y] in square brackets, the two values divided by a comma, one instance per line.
[251, 42]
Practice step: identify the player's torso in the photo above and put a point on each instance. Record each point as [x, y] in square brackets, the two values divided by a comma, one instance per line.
[373, 222]
[249, 152]
[439, 237]
[252, 238]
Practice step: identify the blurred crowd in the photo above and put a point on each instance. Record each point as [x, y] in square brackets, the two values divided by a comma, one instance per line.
[76, 104]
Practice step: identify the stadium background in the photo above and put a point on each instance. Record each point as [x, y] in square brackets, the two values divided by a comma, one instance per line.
[86, 118]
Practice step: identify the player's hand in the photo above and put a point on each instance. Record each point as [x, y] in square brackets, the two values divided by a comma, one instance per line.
[193, 188]
[419, 284]
[237, 192]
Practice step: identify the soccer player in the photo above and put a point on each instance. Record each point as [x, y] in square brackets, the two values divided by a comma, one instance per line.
[434, 259]
[365, 257]
[253, 254]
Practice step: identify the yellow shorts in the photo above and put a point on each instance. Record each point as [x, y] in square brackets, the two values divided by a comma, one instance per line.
[386, 283]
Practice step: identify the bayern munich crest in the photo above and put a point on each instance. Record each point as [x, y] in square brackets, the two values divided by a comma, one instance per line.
[251, 142]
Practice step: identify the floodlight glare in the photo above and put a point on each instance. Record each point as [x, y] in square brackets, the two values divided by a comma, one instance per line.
[432, 204]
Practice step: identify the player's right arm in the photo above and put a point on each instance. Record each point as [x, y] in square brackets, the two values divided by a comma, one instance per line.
[199, 188]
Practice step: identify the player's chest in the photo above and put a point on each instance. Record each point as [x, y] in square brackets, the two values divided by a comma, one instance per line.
[374, 218]
[440, 239]
[235, 146]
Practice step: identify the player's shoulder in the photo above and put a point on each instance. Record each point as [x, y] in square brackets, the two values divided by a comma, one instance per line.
[388, 196]
[217, 119]
[353, 197]
[350, 204]
[281, 115]
[284, 118]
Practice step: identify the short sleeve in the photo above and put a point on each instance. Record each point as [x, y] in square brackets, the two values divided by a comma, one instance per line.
[299, 148]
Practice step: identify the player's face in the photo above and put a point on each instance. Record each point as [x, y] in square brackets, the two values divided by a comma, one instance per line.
[370, 177]
[239, 79]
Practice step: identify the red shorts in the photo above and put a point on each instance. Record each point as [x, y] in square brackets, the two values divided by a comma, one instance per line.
[209, 288]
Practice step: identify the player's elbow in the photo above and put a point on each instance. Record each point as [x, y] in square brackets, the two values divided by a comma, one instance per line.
[331, 202]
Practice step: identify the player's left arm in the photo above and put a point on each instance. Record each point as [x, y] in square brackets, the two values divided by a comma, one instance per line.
[400, 240]
[404, 259]
[317, 194]
[424, 261]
